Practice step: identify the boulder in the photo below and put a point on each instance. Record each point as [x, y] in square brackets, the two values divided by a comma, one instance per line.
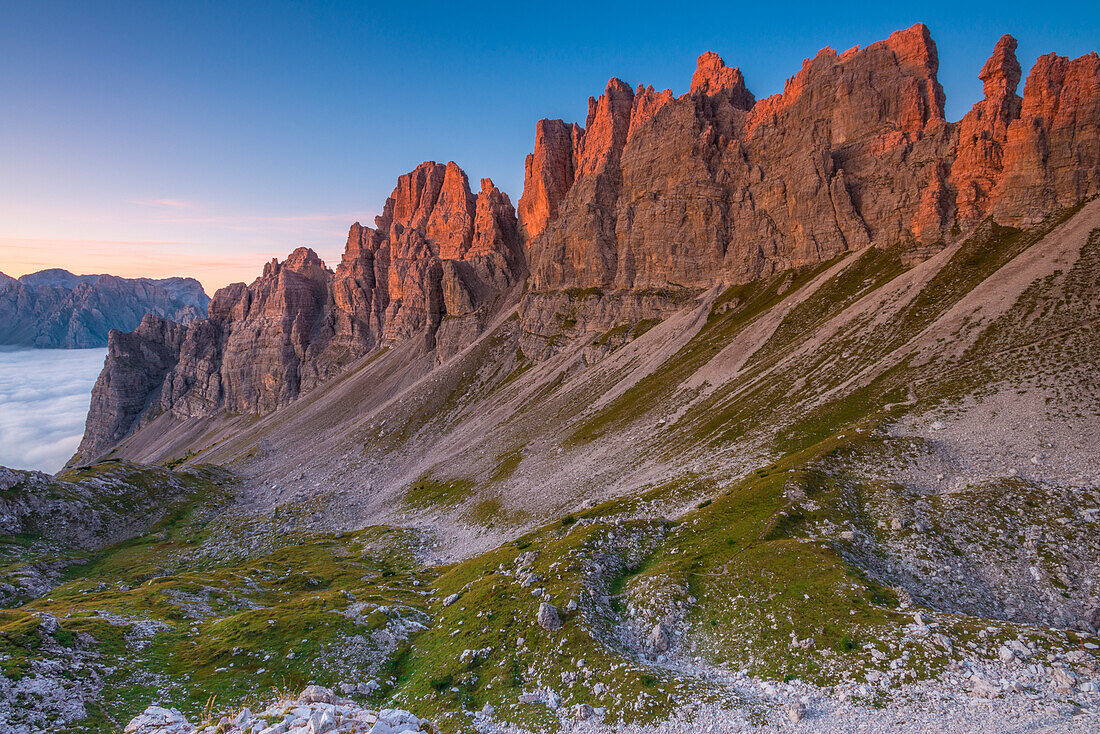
[658, 639]
[157, 720]
[317, 694]
[795, 712]
[548, 617]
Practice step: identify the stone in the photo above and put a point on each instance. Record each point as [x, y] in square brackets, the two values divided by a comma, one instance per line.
[317, 694]
[47, 623]
[658, 638]
[319, 723]
[399, 719]
[984, 688]
[1092, 619]
[795, 712]
[157, 720]
[1062, 680]
[583, 712]
[548, 617]
[943, 641]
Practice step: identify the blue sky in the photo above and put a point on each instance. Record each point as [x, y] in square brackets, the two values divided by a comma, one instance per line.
[202, 138]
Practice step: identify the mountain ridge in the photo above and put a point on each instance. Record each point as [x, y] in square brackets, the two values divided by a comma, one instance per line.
[713, 188]
[56, 309]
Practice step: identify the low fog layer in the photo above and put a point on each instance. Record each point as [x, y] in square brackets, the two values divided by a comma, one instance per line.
[44, 396]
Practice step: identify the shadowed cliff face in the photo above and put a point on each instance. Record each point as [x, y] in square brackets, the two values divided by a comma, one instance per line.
[656, 199]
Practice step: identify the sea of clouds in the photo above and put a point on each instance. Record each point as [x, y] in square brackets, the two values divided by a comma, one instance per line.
[44, 397]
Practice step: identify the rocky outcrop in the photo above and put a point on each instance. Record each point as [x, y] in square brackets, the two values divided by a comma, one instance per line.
[979, 158]
[434, 267]
[712, 78]
[56, 309]
[316, 709]
[548, 174]
[54, 521]
[440, 252]
[718, 188]
[1052, 151]
[715, 187]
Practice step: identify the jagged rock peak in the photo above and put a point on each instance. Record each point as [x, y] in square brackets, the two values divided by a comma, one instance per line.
[713, 77]
[439, 251]
[905, 65]
[548, 173]
[606, 128]
[855, 150]
[495, 225]
[1051, 155]
[451, 223]
[647, 102]
[979, 158]
[413, 198]
[1001, 73]
[436, 200]
[302, 260]
[1057, 85]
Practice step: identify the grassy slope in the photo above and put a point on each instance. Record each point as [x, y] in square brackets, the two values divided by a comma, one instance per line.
[758, 563]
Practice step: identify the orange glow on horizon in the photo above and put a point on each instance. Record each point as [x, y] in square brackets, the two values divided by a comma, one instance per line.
[138, 259]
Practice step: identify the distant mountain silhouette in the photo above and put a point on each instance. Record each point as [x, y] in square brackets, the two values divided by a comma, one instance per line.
[57, 309]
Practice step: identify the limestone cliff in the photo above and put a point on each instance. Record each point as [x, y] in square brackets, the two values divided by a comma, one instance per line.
[656, 199]
[715, 187]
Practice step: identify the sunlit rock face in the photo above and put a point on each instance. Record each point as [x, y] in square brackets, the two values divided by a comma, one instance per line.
[717, 187]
